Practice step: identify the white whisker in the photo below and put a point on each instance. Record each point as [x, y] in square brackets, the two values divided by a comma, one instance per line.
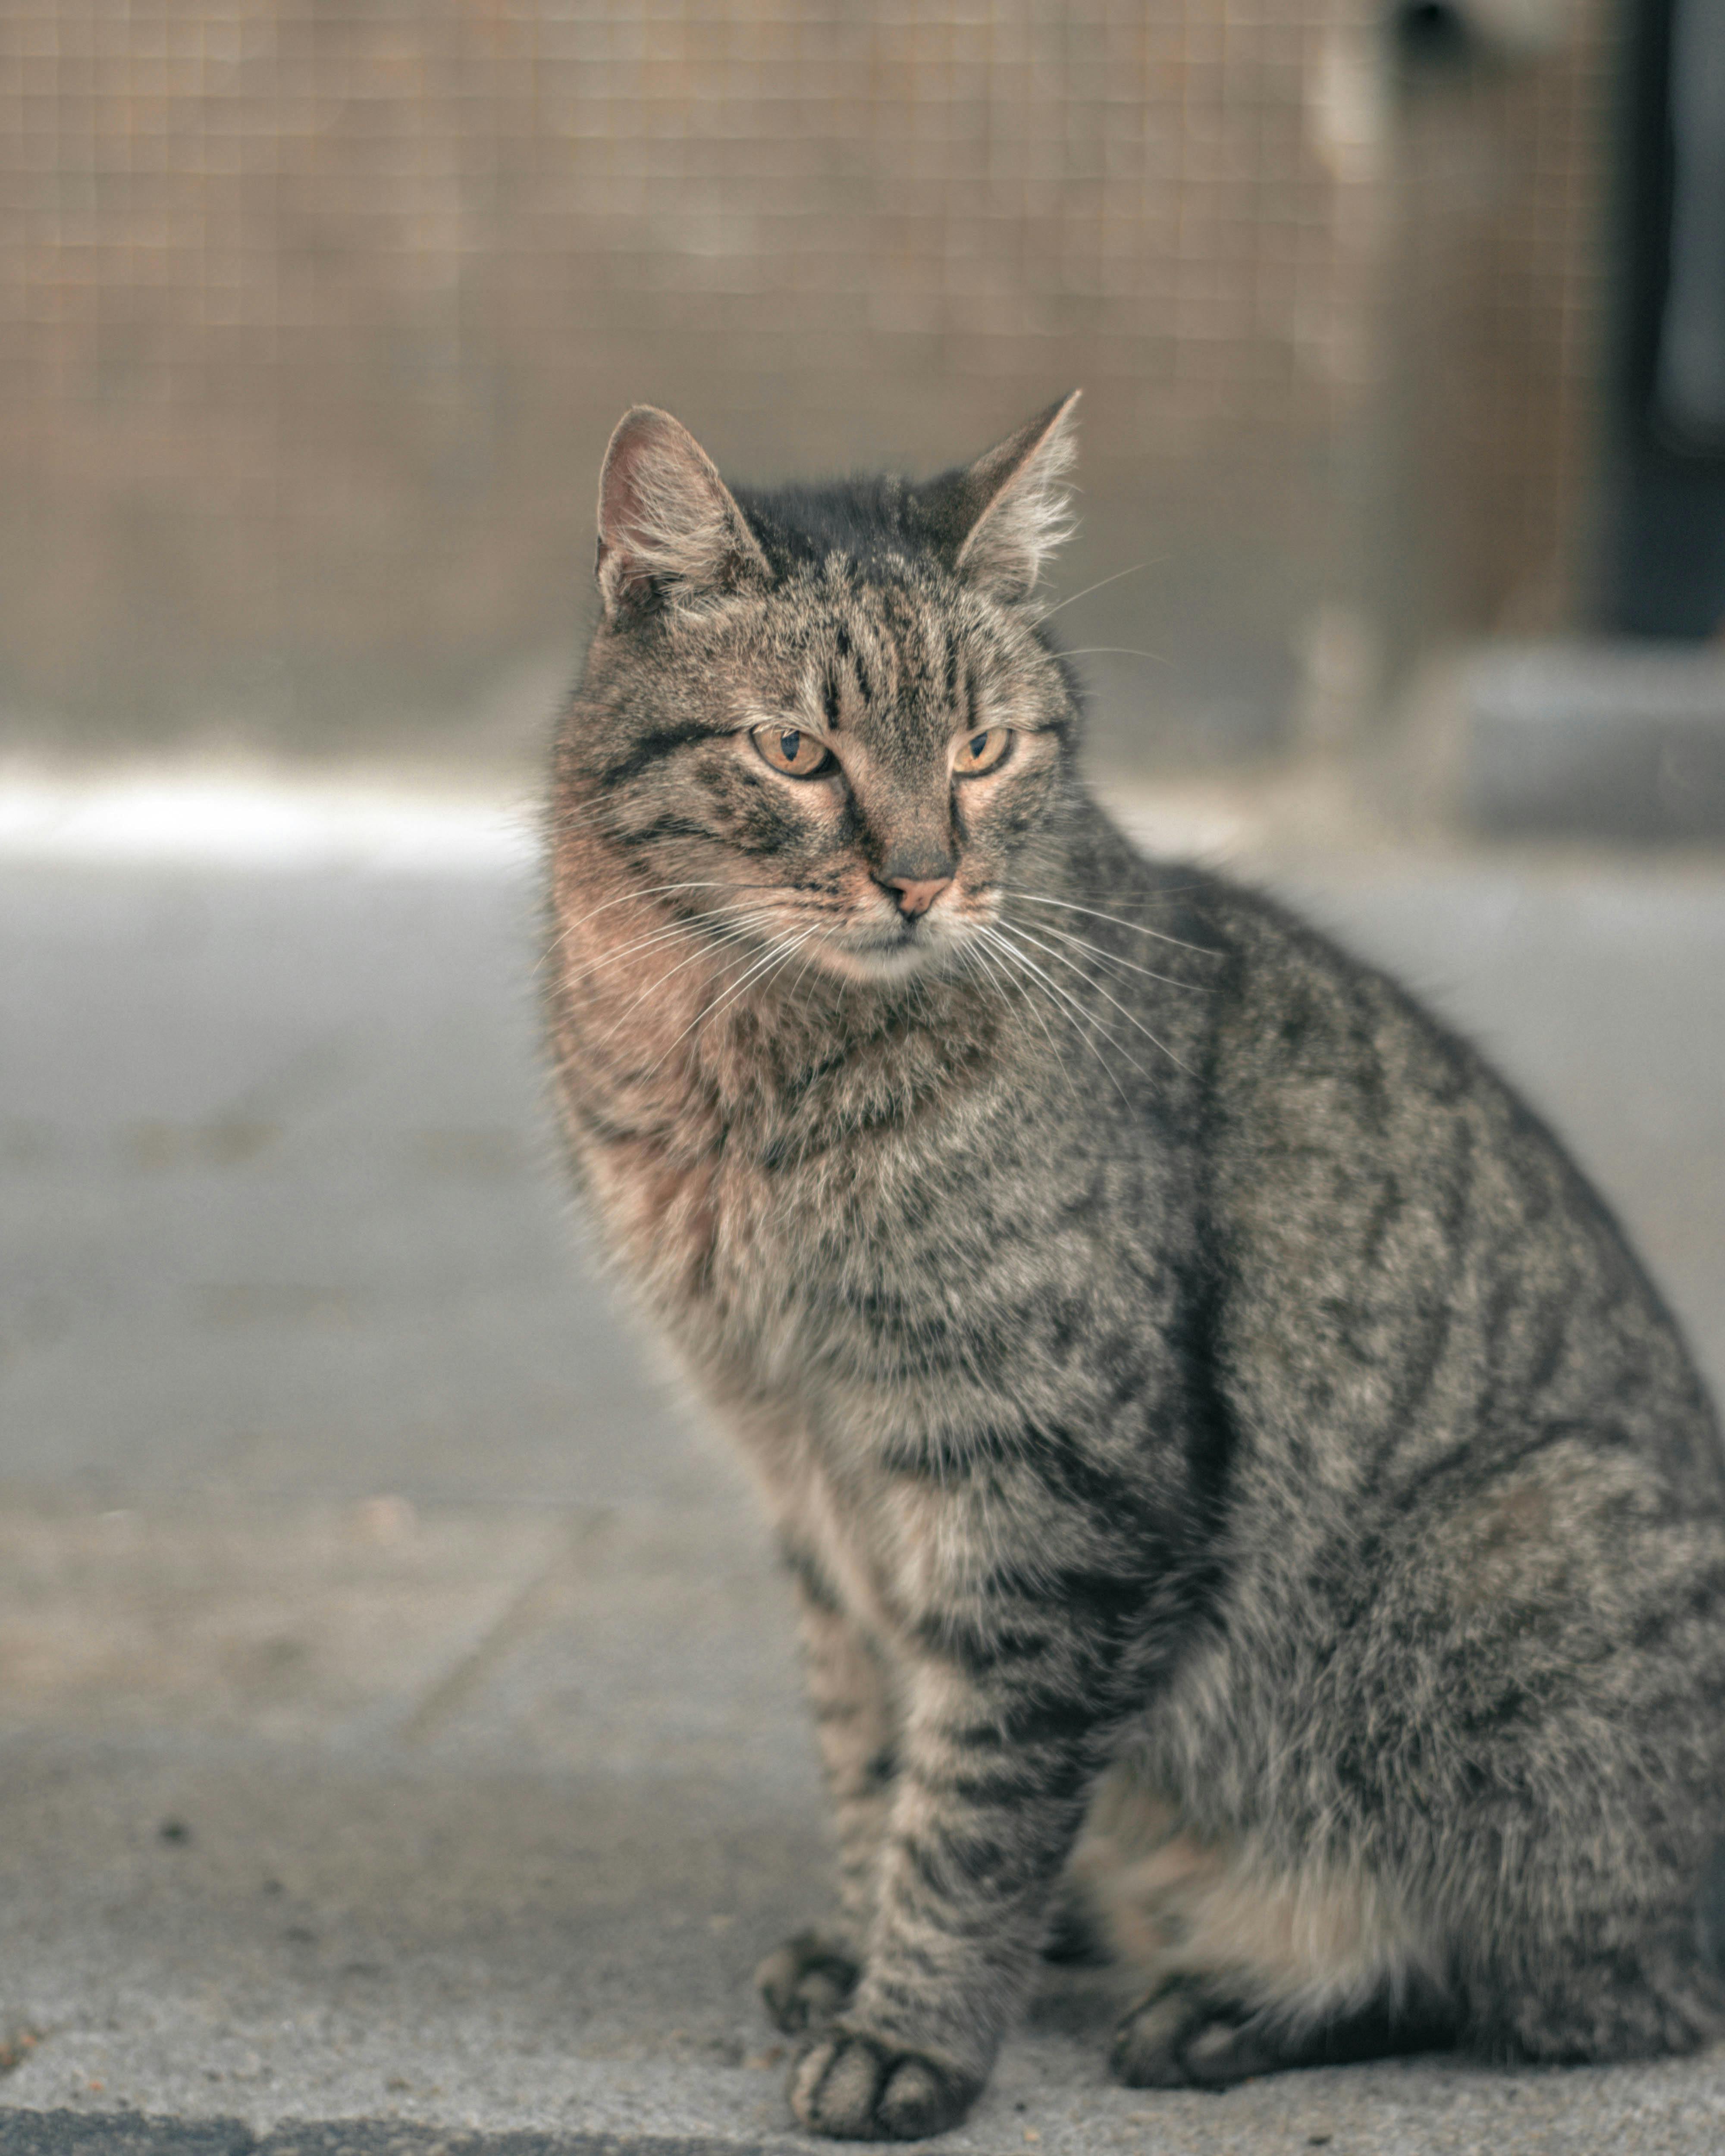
[1087, 1019]
[1115, 651]
[745, 894]
[1038, 898]
[652, 891]
[1027, 1004]
[774, 957]
[1100, 581]
[1060, 957]
[705, 944]
[1113, 958]
[716, 920]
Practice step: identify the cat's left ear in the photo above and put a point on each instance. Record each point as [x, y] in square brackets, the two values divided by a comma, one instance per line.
[1013, 506]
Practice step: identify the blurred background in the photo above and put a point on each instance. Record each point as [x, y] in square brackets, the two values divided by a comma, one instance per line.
[398, 1708]
[1401, 324]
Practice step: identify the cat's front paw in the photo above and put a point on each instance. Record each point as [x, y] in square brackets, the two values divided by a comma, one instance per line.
[859, 2088]
[1185, 2034]
[805, 1982]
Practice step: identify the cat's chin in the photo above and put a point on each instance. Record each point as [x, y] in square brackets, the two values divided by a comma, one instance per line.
[883, 964]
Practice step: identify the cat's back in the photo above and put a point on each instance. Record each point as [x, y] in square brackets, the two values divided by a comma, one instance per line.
[1414, 1266]
[1470, 1465]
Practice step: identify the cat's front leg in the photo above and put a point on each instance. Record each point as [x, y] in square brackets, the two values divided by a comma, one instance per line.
[993, 1769]
[805, 1982]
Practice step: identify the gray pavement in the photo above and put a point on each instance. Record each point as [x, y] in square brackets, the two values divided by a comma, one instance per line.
[399, 1738]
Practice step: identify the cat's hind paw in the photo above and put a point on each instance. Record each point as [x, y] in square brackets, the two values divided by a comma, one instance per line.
[1185, 2034]
[858, 2088]
[805, 1982]
[1194, 2032]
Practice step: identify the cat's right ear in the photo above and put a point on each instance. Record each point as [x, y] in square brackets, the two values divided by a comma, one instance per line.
[668, 525]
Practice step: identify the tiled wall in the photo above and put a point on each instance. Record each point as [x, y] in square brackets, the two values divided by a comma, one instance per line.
[314, 316]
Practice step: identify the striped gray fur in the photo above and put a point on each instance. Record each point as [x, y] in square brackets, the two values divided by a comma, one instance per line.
[1244, 1494]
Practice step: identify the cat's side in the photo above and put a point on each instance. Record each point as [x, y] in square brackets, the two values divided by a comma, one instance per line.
[1191, 1392]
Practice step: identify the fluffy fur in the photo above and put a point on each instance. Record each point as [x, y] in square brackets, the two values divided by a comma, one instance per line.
[1192, 1394]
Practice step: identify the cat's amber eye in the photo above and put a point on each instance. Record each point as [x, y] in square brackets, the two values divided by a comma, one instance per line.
[788, 749]
[982, 752]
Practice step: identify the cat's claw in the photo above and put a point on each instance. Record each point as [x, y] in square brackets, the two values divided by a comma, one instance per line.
[859, 2088]
[1184, 2037]
[805, 1982]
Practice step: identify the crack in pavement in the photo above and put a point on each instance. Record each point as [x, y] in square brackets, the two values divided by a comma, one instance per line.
[534, 1608]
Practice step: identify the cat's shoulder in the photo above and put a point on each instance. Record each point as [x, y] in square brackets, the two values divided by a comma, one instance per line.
[1291, 998]
[1260, 943]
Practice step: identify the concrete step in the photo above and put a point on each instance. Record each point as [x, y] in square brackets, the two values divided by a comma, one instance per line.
[1613, 740]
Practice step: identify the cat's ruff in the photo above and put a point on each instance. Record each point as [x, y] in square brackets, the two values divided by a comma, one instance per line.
[1244, 1499]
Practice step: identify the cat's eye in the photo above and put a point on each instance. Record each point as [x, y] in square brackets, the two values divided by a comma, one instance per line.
[788, 749]
[982, 752]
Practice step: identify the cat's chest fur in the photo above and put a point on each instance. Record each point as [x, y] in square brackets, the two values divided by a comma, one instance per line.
[901, 1250]
[776, 1223]
[765, 1174]
[799, 1283]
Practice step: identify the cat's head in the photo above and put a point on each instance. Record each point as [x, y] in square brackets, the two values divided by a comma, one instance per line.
[823, 719]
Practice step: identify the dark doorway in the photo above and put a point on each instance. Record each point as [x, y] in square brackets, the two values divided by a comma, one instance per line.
[1665, 560]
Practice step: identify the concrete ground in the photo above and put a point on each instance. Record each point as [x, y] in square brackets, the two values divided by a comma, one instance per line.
[400, 1748]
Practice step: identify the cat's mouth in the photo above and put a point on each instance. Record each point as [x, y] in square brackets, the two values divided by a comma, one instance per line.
[893, 951]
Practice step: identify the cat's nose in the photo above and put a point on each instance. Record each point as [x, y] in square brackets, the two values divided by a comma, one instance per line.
[915, 894]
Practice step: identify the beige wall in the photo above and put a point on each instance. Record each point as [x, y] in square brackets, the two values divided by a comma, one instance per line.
[314, 319]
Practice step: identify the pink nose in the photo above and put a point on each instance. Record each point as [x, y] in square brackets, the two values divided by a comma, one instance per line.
[917, 894]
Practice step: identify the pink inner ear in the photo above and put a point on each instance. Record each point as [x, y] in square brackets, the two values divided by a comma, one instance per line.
[1025, 514]
[623, 522]
[624, 537]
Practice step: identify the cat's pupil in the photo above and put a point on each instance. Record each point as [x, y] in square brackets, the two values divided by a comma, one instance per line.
[978, 742]
[789, 745]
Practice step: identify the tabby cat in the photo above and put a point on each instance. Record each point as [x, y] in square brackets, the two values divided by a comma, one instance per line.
[1243, 1495]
